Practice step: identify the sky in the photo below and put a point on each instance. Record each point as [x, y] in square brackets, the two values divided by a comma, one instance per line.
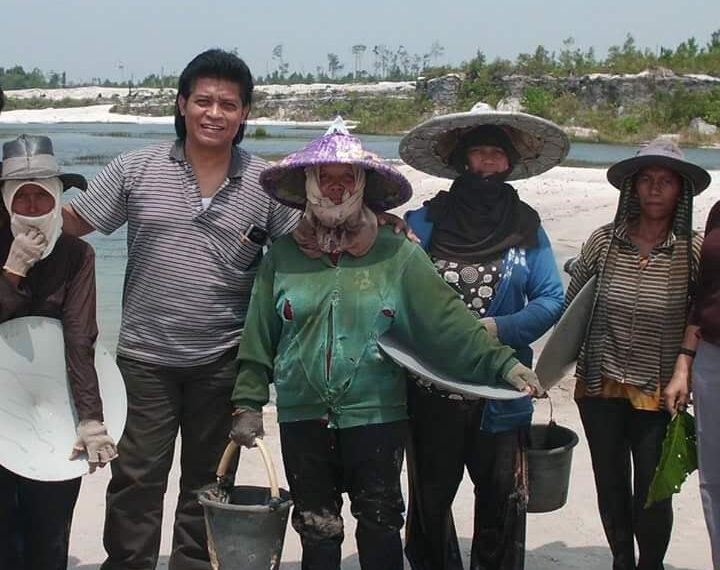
[127, 39]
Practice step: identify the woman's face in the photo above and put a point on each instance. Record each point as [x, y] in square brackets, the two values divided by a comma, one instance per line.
[658, 189]
[336, 179]
[32, 200]
[487, 160]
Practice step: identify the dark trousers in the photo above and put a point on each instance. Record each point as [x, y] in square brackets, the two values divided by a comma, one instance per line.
[445, 438]
[617, 433]
[366, 461]
[161, 400]
[35, 518]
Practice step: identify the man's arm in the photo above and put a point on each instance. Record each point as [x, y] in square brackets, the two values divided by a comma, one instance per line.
[103, 206]
[74, 224]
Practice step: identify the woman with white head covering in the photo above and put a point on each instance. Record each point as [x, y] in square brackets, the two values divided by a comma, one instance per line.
[46, 273]
[322, 297]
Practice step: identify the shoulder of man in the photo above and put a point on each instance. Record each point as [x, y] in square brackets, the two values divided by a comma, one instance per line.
[250, 165]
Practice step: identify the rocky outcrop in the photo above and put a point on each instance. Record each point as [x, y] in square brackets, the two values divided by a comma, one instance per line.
[318, 101]
[442, 91]
[147, 103]
[598, 90]
[702, 128]
[301, 102]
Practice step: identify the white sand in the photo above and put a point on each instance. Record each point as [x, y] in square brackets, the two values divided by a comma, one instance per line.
[572, 202]
[102, 114]
[91, 114]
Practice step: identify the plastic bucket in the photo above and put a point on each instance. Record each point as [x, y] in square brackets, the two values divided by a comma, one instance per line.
[248, 532]
[549, 461]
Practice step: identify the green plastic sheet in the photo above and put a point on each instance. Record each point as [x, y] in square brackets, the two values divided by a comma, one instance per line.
[678, 460]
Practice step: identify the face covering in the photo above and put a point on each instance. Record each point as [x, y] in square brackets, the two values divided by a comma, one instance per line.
[329, 213]
[50, 224]
[333, 228]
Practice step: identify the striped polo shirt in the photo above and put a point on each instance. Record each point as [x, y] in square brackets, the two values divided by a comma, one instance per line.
[189, 275]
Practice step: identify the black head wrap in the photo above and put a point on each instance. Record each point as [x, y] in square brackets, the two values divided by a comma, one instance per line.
[480, 217]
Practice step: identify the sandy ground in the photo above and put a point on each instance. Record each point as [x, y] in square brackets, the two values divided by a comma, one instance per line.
[102, 114]
[92, 114]
[572, 202]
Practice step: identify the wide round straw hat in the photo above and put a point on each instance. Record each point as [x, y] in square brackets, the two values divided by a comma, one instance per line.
[540, 143]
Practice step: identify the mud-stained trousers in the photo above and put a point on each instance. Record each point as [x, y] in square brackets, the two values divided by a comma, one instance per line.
[161, 401]
[366, 462]
[35, 518]
[618, 434]
[446, 438]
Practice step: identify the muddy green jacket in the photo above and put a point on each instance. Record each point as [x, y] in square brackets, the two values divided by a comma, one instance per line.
[312, 329]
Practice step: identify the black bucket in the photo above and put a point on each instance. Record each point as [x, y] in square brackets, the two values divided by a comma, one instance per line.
[549, 460]
[248, 531]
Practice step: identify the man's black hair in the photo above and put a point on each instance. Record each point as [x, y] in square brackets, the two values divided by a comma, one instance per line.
[2, 99]
[216, 64]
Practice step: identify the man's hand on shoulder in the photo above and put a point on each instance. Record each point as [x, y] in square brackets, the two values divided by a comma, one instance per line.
[399, 225]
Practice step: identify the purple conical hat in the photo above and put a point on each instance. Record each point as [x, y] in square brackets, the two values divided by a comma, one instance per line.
[385, 186]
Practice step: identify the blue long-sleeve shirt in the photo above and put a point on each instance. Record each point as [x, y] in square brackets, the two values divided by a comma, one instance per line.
[528, 301]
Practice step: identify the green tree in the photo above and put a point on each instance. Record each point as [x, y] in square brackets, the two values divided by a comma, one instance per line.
[334, 65]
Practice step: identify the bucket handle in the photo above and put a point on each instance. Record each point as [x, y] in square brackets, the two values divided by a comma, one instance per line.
[230, 451]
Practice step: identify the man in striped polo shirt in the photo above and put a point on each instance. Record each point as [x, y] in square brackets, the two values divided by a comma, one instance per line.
[197, 220]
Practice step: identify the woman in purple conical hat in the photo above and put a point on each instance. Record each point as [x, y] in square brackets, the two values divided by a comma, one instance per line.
[322, 297]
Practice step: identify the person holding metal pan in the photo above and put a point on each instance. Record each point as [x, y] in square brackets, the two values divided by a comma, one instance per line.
[490, 247]
[46, 273]
[322, 298]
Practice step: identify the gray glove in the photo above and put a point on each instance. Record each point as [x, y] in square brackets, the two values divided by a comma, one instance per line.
[25, 251]
[525, 380]
[490, 326]
[247, 425]
[93, 439]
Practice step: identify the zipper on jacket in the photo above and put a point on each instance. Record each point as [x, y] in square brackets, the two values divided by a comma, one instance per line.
[329, 348]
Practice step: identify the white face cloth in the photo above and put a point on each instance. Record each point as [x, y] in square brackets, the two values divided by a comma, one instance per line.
[330, 214]
[50, 225]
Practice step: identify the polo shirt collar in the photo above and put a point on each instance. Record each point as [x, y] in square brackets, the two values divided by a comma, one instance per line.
[238, 161]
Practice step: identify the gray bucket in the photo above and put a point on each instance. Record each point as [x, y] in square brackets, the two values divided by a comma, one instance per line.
[248, 531]
[549, 460]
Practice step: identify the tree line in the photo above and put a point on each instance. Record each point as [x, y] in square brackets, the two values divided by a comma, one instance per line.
[364, 63]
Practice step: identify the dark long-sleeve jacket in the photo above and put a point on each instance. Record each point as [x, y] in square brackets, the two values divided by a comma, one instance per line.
[61, 286]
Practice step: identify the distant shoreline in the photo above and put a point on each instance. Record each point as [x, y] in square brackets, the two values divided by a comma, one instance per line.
[102, 114]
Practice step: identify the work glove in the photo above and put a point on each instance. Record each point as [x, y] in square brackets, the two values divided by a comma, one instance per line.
[25, 251]
[247, 425]
[525, 380]
[93, 439]
[490, 326]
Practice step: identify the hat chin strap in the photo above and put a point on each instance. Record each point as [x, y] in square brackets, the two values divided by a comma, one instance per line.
[50, 224]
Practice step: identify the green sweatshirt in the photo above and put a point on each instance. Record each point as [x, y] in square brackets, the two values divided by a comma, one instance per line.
[312, 329]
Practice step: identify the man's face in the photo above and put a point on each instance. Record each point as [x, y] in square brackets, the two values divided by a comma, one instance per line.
[213, 113]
